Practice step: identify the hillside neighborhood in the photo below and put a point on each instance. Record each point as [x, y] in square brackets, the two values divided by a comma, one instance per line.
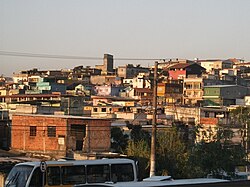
[64, 113]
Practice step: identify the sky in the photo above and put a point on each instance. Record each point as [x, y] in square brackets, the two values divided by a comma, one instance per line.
[146, 29]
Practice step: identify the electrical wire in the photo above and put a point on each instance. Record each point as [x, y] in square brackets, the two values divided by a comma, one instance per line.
[69, 57]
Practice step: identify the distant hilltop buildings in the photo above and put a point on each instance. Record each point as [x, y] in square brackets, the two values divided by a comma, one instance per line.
[70, 112]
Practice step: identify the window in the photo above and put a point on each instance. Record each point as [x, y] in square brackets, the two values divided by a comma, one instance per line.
[37, 178]
[53, 174]
[51, 131]
[32, 130]
[104, 110]
[95, 109]
[122, 172]
[73, 175]
[196, 85]
[188, 86]
[19, 175]
[98, 173]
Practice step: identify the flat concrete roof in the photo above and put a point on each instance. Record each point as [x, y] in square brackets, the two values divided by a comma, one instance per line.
[63, 116]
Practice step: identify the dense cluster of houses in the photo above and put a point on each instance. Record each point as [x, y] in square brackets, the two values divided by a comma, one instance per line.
[72, 111]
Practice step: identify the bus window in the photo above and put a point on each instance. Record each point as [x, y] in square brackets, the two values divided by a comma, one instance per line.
[98, 173]
[53, 174]
[122, 172]
[73, 175]
[18, 176]
[37, 177]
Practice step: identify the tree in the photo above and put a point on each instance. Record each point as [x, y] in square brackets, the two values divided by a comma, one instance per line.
[140, 151]
[171, 154]
[138, 134]
[216, 156]
[119, 140]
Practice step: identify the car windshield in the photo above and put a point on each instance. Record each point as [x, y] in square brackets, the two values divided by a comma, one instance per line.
[18, 176]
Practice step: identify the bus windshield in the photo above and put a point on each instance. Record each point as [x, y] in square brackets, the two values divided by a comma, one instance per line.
[18, 176]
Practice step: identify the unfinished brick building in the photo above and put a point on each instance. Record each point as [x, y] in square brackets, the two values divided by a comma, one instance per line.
[59, 135]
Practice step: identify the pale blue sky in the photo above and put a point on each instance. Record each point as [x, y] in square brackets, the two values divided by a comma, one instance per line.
[125, 28]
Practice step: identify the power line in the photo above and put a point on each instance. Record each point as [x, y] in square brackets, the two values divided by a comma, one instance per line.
[69, 57]
[36, 55]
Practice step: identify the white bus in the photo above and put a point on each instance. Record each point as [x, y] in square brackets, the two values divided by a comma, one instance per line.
[68, 173]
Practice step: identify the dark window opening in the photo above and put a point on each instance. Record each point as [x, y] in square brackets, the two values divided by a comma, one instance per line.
[32, 130]
[79, 145]
[77, 130]
[51, 131]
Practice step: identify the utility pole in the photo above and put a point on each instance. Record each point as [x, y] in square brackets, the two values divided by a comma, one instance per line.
[246, 144]
[153, 136]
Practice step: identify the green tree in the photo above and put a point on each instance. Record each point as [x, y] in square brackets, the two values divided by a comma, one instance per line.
[172, 157]
[216, 156]
[171, 154]
[140, 151]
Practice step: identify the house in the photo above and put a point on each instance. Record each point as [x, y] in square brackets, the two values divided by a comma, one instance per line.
[145, 95]
[127, 82]
[223, 95]
[72, 105]
[23, 76]
[130, 71]
[210, 65]
[192, 90]
[182, 70]
[60, 135]
[82, 74]
[213, 119]
[50, 87]
[108, 106]
[170, 92]
[141, 81]
[108, 90]
[80, 89]
[105, 79]
[206, 119]
[66, 104]
[11, 101]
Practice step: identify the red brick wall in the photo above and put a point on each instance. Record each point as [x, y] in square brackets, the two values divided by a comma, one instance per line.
[99, 135]
[22, 140]
[98, 129]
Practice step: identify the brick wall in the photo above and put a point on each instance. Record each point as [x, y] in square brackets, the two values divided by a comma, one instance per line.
[21, 139]
[97, 135]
